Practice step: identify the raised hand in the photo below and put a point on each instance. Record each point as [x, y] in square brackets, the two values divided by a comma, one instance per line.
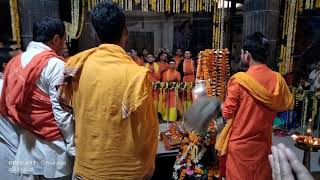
[284, 162]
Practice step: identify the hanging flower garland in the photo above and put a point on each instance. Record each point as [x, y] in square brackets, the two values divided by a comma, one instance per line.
[188, 6]
[311, 4]
[314, 108]
[174, 6]
[213, 67]
[178, 6]
[72, 28]
[307, 4]
[146, 5]
[153, 5]
[292, 8]
[15, 21]
[290, 35]
[305, 97]
[284, 32]
[317, 5]
[294, 36]
[221, 25]
[162, 6]
[214, 26]
[81, 20]
[89, 5]
[168, 6]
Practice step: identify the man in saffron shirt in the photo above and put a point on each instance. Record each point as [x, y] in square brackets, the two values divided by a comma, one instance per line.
[163, 62]
[155, 76]
[188, 68]
[117, 125]
[253, 100]
[29, 100]
[153, 67]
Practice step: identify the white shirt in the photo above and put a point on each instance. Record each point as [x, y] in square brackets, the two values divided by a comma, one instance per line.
[9, 141]
[36, 156]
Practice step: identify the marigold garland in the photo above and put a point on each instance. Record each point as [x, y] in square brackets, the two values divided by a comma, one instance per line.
[221, 25]
[292, 9]
[193, 149]
[81, 20]
[289, 24]
[174, 6]
[218, 23]
[213, 67]
[15, 21]
[317, 5]
[72, 28]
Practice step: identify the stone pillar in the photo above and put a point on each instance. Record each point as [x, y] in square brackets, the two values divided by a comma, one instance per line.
[33, 10]
[263, 16]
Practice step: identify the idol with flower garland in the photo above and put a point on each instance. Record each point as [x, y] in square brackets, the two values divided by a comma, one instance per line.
[197, 155]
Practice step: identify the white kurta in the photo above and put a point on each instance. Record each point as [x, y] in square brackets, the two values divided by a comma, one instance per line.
[35, 156]
[9, 141]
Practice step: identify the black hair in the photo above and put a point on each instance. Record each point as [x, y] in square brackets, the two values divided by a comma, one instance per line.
[161, 53]
[4, 57]
[150, 53]
[109, 22]
[46, 28]
[258, 46]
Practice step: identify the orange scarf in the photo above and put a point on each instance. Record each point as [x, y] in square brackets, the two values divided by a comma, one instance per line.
[23, 102]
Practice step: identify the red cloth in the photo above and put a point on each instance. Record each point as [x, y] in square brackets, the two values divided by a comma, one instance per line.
[251, 136]
[23, 102]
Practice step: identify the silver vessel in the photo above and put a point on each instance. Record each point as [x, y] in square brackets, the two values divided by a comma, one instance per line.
[199, 90]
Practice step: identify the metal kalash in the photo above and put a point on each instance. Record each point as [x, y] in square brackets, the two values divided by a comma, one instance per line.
[202, 110]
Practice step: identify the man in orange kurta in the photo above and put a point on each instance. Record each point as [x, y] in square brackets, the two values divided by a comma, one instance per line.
[155, 75]
[117, 125]
[153, 68]
[250, 139]
[188, 68]
[163, 63]
[170, 112]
